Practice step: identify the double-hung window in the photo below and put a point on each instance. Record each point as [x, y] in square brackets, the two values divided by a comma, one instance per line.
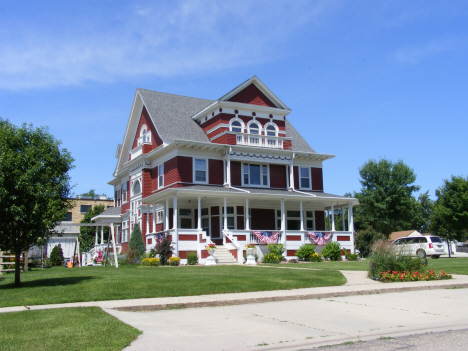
[159, 216]
[304, 175]
[255, 174]
[200, 170]
[230, 217]
[160, 176]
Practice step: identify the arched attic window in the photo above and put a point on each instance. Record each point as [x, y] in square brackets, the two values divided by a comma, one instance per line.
[145, 136]
[236, 126]
[254, 128]
[271, 130]
[136, 188]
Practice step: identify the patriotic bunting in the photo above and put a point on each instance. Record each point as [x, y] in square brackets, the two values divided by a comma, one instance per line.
[320, 238]
[267, 237]
[160, 237]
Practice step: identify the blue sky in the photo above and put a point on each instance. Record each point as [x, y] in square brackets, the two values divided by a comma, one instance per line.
[364, 79]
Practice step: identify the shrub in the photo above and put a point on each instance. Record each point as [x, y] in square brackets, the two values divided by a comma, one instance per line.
[277, 249]
[387, 257]
[150, 262]
[351, 256]
[132, 256]
[56, 256]
[315, 257]
[332, 251]
[192, 258]
[365, 239]
[272, 257]
[136, 241]
[305, 251]
[164, 250]
[174, 261]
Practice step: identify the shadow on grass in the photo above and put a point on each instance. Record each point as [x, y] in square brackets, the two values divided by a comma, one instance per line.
[49, 282]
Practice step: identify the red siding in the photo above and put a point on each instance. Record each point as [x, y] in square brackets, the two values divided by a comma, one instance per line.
[147, 185]
[155, 139]
[233, 253]
[296, 177]
[236, 173]
[287, 145]
[217, 132]
[143, 226]
[173, 170]
[125, 207]
[240, 210]
[188, 237]
[216, 174]
[252, 95]
[241, 237]
[159, 227]
[204, 254]
[222, 118]
[342, 238]
[291, 253]
[317, 179]
[293, 238]
[277, 176]
[319, 220]
[229, 139]
[154, 178]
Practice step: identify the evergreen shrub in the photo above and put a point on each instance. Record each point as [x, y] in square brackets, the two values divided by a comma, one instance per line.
[56, 256]
[332, 251]
[305, 251]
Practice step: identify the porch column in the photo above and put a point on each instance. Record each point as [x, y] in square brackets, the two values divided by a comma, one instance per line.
[291, 175]
[174, 215]
[224, 173]
[154, 217]
[333, 218]
[113, 245]
[102, 234]
[328, 217]
[247, 218]
[175, 235]
[342, 218]
[147, 218]
[96, 241]
[225, 216]
[350, 218]
[228, 170]
[302, 216]
[287, 177]
[283, 226]
[166, 213]
[199, 214]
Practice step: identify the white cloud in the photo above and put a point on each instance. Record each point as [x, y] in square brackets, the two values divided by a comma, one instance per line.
[415, 54]
[190, 37]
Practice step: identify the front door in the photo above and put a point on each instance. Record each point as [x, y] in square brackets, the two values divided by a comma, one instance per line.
[262, 219]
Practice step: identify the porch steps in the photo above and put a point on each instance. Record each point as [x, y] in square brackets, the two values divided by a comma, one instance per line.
[223, 256]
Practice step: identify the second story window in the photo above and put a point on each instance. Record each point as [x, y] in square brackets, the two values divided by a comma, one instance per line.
[85, 208]
[160, 176]
[271, 130]
[136, 188]
[304, 174]
[124, 192]
[255, 174]
[254, 129]
[145, 135]
[236, 126]
[200, 170]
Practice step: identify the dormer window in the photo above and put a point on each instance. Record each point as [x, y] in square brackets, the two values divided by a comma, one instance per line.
[271, 130]
[236, 126]
[254, 129]
[145, 135]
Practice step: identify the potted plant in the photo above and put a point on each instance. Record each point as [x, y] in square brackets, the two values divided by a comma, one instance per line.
[211, 260]
[251, 248]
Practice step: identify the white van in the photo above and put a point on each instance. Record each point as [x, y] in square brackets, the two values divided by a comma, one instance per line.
[422, 245]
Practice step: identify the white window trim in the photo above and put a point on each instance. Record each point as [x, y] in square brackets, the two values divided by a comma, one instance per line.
[161, 176]
[237, 119]
[260, 129]
[133, 187]
[274, 126]
[261, 175]
[232, 215]
[194, 170]
[124, 190]
[300, 177]
[159, 216]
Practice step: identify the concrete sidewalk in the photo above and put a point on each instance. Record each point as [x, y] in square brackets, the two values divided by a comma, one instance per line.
[358, 284]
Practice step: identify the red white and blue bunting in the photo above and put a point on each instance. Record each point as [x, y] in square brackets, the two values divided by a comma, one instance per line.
[320, 238]
[267, 237]
[159, 237]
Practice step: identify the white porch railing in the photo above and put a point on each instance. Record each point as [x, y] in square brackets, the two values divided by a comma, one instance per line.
[259, 140]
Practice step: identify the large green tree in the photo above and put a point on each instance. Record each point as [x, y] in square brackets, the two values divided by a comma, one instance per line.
[88, 234]
[450, 217]
[34, 187]
[423, 209]
[386, 201]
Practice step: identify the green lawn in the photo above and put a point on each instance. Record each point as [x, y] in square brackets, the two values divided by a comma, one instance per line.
[454, 265]
[61, 285]
[64, 329]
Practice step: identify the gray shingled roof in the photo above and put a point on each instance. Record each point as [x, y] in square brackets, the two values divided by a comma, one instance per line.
[111, 211]
[172, 116]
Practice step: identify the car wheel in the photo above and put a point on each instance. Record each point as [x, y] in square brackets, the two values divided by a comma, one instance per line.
[435, 256]
[421, 253]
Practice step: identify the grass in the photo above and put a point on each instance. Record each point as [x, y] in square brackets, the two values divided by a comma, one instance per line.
[454, 265]
[62, 285]
[64, 329]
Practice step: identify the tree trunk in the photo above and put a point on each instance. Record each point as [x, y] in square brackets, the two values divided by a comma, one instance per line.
[17, 268]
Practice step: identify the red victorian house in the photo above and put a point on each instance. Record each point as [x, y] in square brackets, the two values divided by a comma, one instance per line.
[225, 171]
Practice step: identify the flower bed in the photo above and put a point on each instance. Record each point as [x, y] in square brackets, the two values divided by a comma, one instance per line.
[393, 276]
